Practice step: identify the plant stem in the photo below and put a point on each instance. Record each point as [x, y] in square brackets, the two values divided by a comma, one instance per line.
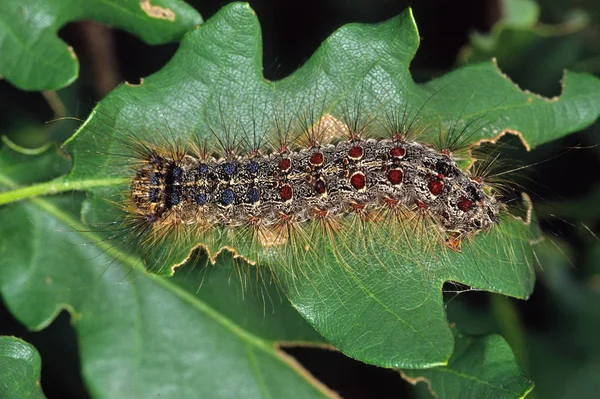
[52, 187]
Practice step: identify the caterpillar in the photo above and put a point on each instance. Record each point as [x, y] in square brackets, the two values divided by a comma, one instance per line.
[271, 193]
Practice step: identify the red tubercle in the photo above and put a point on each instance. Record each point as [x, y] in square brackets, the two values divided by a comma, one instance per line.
[361, 211]
[435, 187]
[253, 220]
[390, 202]
[395, 176]
[286, 192]
[357, 206]
[317, 159]
[453, 242]
[358, 181]
[285, 164]
[286, 217]
[421, 204]
[356, 153]
[283, 149]
[446, 152]
[397, 152]
[320, 186]
[464, 204]
[319, 213]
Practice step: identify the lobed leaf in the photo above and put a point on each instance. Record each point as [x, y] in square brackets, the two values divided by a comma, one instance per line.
[393, 301]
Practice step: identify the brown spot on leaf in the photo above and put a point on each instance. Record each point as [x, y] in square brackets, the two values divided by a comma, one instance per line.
[157, 11]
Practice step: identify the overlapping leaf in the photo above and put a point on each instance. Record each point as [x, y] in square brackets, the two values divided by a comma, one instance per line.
[481, 367]
[34, 58]
[20, 366]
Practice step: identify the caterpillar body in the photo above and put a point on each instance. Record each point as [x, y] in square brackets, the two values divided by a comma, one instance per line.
[267, 192]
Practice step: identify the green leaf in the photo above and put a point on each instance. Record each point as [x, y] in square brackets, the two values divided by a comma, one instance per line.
[378, 300]
[483, 367]
[20, 366]
[34, 58]
[142, 335]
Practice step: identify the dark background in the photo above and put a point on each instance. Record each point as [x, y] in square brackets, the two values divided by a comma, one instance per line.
[292, 31]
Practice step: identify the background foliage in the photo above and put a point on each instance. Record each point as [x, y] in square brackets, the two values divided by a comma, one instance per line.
[142, 310]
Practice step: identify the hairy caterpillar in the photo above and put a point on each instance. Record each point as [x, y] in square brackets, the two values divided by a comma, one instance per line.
[271, 195]
[329, 177]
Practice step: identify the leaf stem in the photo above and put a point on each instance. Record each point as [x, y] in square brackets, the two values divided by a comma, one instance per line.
[55, 186]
